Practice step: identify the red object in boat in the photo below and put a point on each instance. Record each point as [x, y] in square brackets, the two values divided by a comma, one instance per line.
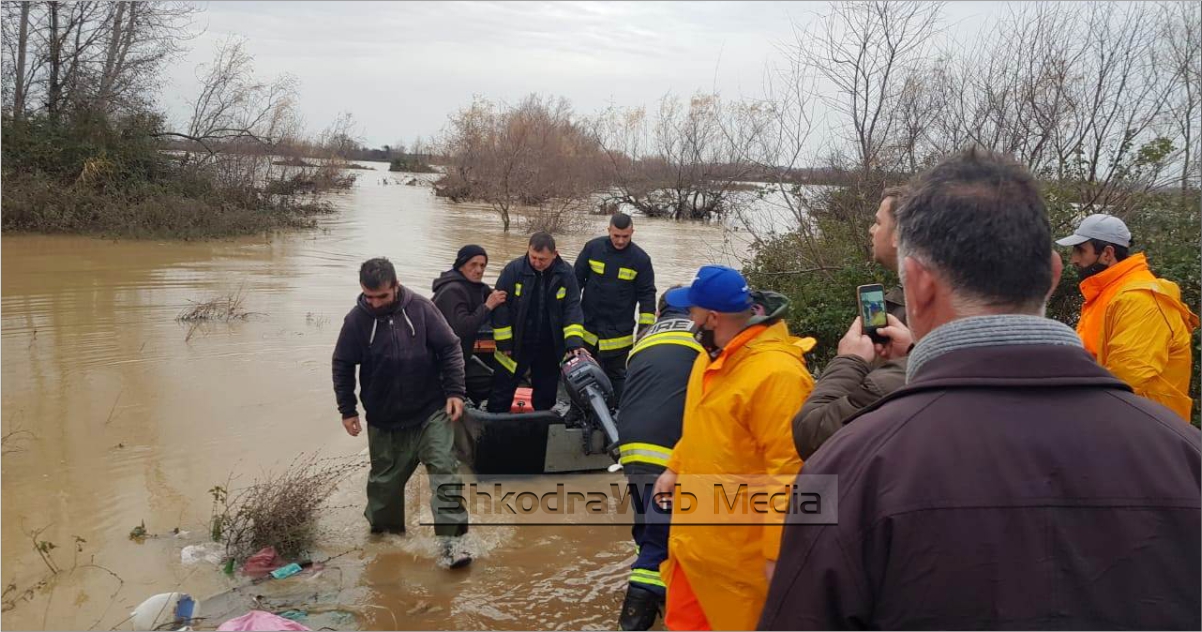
[523, 401]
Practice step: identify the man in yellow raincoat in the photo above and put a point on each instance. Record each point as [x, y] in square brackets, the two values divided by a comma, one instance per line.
[1133, 323]
[741, 398]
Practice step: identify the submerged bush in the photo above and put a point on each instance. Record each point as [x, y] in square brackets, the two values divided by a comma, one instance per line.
[278, 510]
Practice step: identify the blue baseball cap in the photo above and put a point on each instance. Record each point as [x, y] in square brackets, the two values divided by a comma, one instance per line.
[716, 288]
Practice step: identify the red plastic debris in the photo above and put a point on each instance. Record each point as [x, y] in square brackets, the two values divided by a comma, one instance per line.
[262, 563]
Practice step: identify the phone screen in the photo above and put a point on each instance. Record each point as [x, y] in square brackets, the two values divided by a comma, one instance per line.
[872, 302]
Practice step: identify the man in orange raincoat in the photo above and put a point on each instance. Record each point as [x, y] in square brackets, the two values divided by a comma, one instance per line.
[1133, 323]
[741, 398]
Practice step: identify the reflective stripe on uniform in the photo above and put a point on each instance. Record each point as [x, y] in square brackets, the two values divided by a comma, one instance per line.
[626, 274]
[517, 289]
[509, 363]
[597, 266]
[610, 344]
[590, 337]
[563, 291]
[646, 319]
[644, 453]
[502, 333]
[682, 338]
[573, 330]
[646, 576]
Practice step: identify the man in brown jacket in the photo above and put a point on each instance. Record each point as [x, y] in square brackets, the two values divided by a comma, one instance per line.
[856, 377]
[1012, 483]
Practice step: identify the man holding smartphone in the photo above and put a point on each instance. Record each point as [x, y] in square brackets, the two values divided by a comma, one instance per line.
[1012, 483]
[858, 376]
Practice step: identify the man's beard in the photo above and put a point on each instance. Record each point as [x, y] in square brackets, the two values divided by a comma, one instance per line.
[389, 307]
[1090, 270]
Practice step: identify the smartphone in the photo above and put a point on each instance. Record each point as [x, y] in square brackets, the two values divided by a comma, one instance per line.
[873, 317]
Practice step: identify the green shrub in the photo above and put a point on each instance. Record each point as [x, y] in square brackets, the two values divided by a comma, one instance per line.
[819, 267]
[88, 175]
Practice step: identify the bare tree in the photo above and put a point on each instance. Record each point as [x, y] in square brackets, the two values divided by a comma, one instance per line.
[20, 81]
[468, 132]
[865, 50]
[1180, 28]
[1089, 96]
[234, 104]
[532, 157]
[341, 137]
[689, 161]
[140, 38]
[88, 56]
[54, 38]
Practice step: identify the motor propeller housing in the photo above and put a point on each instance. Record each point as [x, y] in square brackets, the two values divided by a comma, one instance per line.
[591, 391]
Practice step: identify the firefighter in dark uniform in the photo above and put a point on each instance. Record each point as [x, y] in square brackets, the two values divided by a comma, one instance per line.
[649, 422]
[615, 274]
[537, 326]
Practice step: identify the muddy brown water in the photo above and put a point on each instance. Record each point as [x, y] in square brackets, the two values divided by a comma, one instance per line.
[115, 417]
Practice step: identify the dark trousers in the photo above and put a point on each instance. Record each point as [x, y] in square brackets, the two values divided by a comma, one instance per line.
[615, 369]
[650, 533]
[478, 380]
[614, 364]
[544, 377]
[395, 454]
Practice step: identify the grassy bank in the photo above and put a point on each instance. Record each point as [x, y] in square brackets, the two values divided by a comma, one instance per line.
[89, 176]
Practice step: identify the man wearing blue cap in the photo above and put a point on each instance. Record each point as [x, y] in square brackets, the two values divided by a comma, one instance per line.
[738, 414]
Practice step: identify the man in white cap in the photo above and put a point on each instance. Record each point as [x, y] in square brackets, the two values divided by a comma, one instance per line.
[1133, 323]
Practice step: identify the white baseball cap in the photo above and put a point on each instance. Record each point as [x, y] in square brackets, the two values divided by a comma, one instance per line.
[1107, 228]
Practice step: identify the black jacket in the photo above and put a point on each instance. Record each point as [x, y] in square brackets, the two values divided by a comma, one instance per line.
[409, 362]
[560, 304]
[652, 406]
[461, 302]
[1015, 487]
[613, 281]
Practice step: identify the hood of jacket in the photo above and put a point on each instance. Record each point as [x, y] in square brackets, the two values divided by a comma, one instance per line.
[670, 312]
[558, 266]
[404, 297]
[774, 306]
[455, 276]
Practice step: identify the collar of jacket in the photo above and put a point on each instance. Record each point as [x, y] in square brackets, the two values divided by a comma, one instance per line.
[1096, 284]
[611, 249]
[1020, 366]
[551, 269]
[736, 343]
[743, 339]
[988, 331]
[403, 298]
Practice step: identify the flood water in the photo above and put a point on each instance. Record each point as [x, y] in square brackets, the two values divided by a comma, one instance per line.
[116, 415]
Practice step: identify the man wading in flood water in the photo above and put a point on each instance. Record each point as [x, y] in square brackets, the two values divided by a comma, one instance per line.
[411, 375]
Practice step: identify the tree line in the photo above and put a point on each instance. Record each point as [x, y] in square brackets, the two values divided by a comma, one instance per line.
[86, 148]
[1100, 98]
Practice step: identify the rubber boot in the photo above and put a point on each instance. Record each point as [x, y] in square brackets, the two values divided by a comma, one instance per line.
[640, 609]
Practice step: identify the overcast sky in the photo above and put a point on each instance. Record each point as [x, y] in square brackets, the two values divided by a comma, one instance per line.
[402, 67]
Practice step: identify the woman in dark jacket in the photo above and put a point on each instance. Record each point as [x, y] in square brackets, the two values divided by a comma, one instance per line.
[466, 302]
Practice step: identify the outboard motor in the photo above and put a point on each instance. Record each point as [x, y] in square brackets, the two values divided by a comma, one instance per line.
[591, 391]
